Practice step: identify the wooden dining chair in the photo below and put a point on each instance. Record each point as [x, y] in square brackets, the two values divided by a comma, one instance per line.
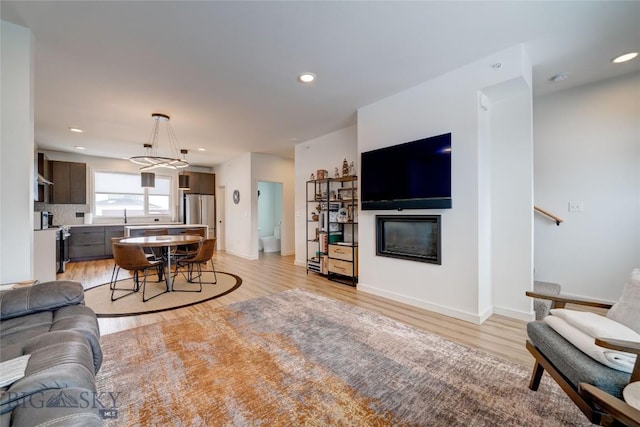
[193, 265]
[132, 258]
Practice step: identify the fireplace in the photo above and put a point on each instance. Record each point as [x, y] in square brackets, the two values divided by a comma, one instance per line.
[410, 237]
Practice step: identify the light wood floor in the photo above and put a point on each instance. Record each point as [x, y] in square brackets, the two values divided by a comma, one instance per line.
[499, 335]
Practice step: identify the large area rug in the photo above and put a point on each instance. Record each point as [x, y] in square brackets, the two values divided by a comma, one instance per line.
[296, 358]
[99, 298]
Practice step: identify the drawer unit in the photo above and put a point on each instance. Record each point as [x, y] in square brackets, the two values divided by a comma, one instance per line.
[345, 253]
[86, 243]
[86, 252]
[346, 268]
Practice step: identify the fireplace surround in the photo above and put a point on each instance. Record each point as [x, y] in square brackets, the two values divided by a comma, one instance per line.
[409, 237]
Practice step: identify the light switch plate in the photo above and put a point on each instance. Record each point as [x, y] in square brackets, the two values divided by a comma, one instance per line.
[576, 207]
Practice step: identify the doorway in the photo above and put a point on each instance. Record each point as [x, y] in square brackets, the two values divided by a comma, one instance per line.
[269, 216]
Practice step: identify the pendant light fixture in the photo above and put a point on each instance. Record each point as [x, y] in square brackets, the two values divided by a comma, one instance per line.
[147, 179]
[152, 160]
[183, 180]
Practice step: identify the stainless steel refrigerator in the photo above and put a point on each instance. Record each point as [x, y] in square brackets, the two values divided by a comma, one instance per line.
[199, 209]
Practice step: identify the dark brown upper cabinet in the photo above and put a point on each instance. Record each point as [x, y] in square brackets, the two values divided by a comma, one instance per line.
[69, 183]
[201, 183]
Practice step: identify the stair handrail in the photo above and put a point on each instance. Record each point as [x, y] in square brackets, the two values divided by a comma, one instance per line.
[548, 214]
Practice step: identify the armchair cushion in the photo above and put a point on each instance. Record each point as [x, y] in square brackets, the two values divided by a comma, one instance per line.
[41, 297]
[576, 366]
[627, 309]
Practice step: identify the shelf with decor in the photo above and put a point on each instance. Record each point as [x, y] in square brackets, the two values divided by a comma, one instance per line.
[332, 209]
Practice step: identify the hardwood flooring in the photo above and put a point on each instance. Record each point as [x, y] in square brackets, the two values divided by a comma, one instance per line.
[499, 335]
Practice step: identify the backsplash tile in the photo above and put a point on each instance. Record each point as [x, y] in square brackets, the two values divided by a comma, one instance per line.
[66, 215]
[63, 214]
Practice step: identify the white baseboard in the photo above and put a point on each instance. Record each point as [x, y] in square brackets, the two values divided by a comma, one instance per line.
[251, 258]
[514, 314]
[300, 263]
[447, 311]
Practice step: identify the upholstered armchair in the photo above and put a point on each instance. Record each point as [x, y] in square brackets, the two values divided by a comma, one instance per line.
[576, 347]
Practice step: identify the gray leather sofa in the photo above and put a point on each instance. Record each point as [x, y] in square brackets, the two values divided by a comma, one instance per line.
[50, 322]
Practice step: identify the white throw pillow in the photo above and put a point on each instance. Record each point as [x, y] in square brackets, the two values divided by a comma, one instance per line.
[627, 309]
[614, 359]
[596, 326]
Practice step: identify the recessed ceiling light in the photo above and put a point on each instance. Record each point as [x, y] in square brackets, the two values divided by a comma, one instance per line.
[306, 77]
[624, 58]
[202, 149]
[559, 77]
[79, 147]
[76, 130]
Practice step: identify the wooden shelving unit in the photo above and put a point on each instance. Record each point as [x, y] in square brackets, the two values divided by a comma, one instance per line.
[332, 209]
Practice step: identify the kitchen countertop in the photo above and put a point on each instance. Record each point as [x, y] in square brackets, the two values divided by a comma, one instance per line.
[149, 224]
[155, 225]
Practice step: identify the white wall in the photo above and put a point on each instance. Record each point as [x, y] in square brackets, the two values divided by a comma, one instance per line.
[274, 169]
[326, 152]
[587, 149]
[512, 203]
[235, 174]
[446, 104]
[16, 154]
[243, 174]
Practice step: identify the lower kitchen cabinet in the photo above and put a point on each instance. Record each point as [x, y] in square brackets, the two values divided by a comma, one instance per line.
[92, 242]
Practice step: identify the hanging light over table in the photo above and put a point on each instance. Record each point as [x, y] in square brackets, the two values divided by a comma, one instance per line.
[183, 180]
[151, 160]
[147, 179]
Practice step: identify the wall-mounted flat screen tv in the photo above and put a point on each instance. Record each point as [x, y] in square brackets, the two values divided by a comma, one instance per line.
[413, 175]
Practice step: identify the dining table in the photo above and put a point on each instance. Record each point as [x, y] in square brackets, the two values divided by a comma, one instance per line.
[167, 242]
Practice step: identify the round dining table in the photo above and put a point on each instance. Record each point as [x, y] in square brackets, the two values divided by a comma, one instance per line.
[167, 241]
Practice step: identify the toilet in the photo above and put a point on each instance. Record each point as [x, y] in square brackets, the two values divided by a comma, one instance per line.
[271, 243]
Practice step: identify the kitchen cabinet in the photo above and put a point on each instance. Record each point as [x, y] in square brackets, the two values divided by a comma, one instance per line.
[44, 190]
[109, 233]
[69, 183]
[201, 183]
[92, 242]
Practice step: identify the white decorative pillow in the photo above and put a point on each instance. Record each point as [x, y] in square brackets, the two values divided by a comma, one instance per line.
[614, 359]
[596, 326]
[627, 309]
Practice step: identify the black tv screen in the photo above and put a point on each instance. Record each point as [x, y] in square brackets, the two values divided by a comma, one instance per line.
[413, 175]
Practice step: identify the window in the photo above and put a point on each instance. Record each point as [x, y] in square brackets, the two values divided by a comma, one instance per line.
[117, 191]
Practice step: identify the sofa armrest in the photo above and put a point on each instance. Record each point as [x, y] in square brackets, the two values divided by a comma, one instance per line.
[41, 297]
[559, 301]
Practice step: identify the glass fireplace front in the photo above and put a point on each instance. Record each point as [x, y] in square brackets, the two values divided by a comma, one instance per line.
[410, 237]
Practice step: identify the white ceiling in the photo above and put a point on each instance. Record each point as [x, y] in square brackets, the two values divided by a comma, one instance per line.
[226, 71]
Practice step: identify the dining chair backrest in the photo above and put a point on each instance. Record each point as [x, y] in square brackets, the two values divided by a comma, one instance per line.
[130, 257]
[205, 252]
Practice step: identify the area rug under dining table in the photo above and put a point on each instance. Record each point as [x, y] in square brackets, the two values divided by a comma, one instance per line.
[298, 358]
[131, 304]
